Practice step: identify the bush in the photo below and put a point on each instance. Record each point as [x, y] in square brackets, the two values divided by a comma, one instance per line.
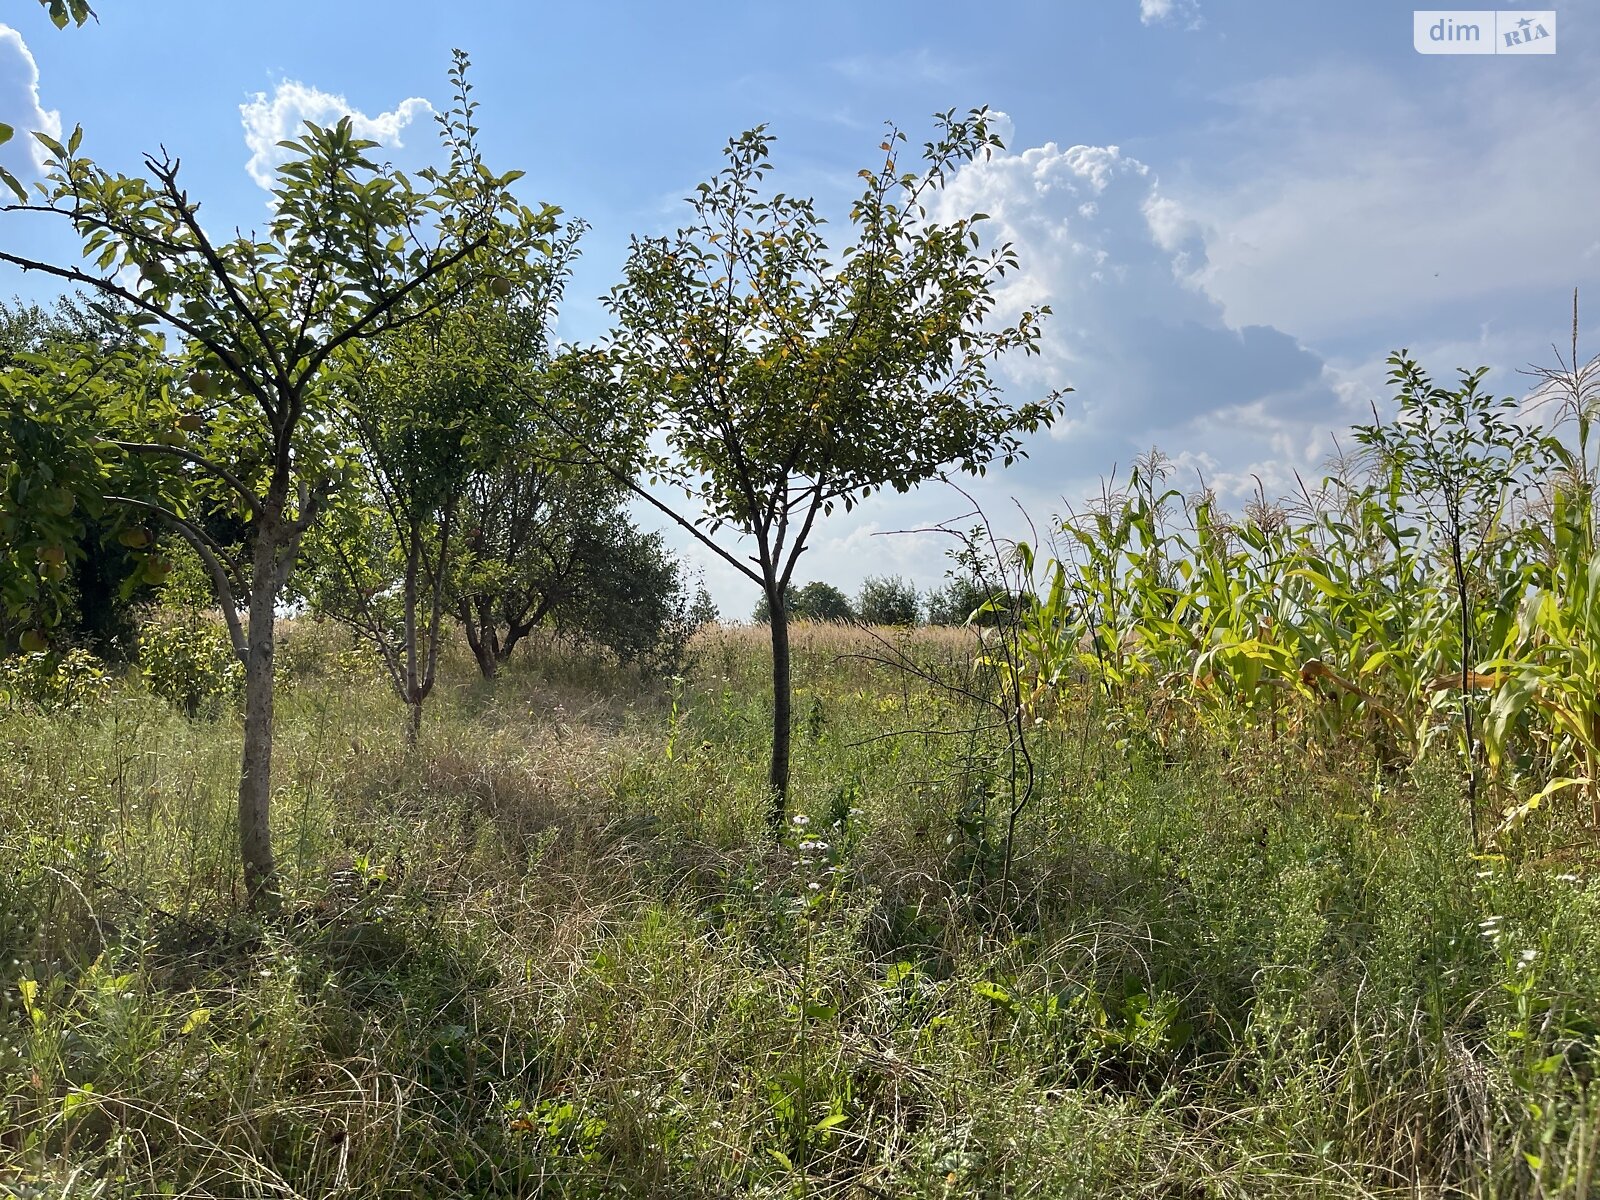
[631, 598]
[888, 600]
[817, 601]
[52, 682]
[955, 603]
[188, 660]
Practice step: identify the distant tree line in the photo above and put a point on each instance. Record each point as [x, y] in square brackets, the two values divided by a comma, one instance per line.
[890, 600]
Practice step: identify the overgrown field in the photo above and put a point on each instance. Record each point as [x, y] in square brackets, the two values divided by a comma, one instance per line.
[555, 951]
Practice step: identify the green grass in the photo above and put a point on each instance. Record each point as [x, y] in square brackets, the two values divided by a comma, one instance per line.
[554, 952]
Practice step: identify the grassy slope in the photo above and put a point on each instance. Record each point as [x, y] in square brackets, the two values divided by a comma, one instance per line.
[554, 953]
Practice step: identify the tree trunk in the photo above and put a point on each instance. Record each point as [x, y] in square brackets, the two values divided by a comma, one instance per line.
[480, 638]
[255, 776]
[410, 689]
[778, 776]
[515, 632]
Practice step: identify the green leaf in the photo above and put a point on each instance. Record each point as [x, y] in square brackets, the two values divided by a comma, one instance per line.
[900, 972]
[77, 1098]
[50, 144]
[6, 133]
[11, 181]
[992, 991]
[780, 1158]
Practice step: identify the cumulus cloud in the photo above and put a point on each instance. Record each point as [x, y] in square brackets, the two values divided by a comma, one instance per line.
[271, 119]
[1168, 12]
[1235, 308]
[1154, 361]
[1151, 357]
[20, 107]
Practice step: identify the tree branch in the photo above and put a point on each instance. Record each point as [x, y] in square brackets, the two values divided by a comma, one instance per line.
[199, 460]
[202, 543]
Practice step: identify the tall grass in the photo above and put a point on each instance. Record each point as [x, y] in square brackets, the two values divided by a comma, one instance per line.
[554, 951]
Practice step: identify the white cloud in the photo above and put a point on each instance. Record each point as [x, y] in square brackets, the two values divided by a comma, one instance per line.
[1342, 201]
[1236, 309]
[19, 103]
[1153, 359]
[269, 120]
[1167, 12]
[919, 65]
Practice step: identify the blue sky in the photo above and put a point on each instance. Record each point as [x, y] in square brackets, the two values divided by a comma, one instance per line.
[1236, 210]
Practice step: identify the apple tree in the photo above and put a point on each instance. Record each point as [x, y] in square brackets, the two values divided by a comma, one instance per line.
[790, 379]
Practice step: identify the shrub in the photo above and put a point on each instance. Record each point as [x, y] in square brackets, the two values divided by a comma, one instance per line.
[53, 682]
[955, 603]
[188, 660]
[888, 600]
[817, 601]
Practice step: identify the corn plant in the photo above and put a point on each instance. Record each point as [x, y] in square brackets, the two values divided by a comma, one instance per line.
[1375, 631]
[1550, 660]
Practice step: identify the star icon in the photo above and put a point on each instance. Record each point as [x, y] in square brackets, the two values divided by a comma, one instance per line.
[1524, 23]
